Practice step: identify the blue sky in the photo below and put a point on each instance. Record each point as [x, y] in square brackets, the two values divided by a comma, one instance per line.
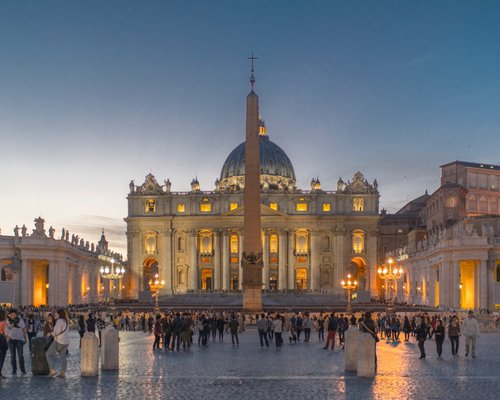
[96, 93]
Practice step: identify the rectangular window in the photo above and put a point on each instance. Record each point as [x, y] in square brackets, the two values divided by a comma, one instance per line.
[326, 207]
[301, 207]
[181, 207]
[233, 244]
[273, 206]
[205, 207]
[150, 206]
[233, 206]
[358, 204]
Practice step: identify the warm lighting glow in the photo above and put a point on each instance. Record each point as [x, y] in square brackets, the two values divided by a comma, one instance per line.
[390, 261]
[357, 205]
[273, 206]
[326, 207]
[205, 207]
[379, 270]
[301, 207]
[47, 285]
[181, 207]
[150, 206]
[233, 206]
[384, 270]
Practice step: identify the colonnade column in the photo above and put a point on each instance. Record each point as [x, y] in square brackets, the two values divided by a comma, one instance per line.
[455, 284]
[266, 259]
[241, 239]
[291, 264]
[225, 260]
[167, 268]
[282, 281]
[217, 277]
[431, 290]
[315, 259]
[193, 268]
[53, 288]
[483, 284]
[26, 288]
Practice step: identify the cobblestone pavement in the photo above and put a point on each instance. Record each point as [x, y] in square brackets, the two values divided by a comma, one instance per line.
[302, 371]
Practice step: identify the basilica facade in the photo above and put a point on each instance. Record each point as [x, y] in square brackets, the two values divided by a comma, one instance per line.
[311, 238]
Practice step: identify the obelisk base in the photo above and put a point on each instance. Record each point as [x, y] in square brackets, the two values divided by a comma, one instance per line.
[252, 299]
[252, 281]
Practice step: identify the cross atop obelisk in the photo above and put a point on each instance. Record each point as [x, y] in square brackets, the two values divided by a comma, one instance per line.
[251, 262]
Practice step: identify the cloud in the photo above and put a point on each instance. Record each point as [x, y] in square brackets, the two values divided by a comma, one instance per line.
[421, 60]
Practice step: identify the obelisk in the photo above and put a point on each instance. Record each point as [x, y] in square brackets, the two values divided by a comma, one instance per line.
[251, 262]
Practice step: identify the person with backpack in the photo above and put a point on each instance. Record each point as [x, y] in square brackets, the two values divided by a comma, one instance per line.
[59, 344]
[332, 328]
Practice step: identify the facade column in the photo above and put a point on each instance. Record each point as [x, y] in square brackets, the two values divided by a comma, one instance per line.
[265, 251]
[241, 239]
[217, 271]
[315, 259]
[431, 278]
[167, 267]
[193, 268]
[282, 280]
[135, 271]
[26, 288]
[483, 283]
[225, 259]
[291, 263]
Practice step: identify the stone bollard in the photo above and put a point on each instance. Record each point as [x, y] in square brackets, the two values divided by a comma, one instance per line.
[366, 355]
[110, 349]
[89, 358]
[351, 348]
[39, 364]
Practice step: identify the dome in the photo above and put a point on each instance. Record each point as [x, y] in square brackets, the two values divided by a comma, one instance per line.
[276, 170]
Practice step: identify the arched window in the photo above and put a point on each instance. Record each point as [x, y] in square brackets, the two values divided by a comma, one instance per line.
[273, 244]
[150, 242]
[205, 242]
[301, 242]
[472, 202]
[358, 242]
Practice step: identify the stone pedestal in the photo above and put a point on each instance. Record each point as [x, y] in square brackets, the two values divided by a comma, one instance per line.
[89, 359]
[252, 299]
[351, 348]
[366, 355]
[110, 349]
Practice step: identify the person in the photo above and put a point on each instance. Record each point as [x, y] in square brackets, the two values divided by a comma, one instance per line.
[321, 328]
[307, 324]
[3, 340]
[278, 331]
[31, 328]
[233, 328]
[407, 329]
[262, 325]
[49, 325]
[91, 323]
[220, 327]
[17, 336]
[439, 336]
[332, 328]
[454, 334]
[166, 326]
[421, 335]
[157, 330]
[470, 328]
[81, 327]
[186, 333]
[177, 328]
[101, 325]
[59, 345]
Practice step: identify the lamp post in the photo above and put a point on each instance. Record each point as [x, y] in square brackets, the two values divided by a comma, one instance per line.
[388, 275]
[112, 274]
[349, 285]
[155, 286]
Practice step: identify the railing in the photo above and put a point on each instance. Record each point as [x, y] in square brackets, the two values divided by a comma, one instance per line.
[264, 291]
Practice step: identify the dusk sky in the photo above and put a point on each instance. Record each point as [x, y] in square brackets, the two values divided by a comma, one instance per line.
[96, 93]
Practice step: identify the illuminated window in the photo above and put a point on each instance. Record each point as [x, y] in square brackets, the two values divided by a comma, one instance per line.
[206, 242]
[234, 244]
[150, 206]
[358, 204]
[326, 207]
[206, 279]
[301, 207]
[181, 207]
[301, 278]
[233, 206]
[273, 244]
[301, 242]
[205, 206]
[358, 242]
[273, 206]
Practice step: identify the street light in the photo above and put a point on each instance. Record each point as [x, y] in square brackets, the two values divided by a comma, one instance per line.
[349, 285]
[155, 286]
[112, 274]
[388, 275]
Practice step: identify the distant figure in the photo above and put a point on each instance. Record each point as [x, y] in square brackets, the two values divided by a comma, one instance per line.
[51, 232]
[24, 230]
[16, 231]
[470, 328]
[63, 234]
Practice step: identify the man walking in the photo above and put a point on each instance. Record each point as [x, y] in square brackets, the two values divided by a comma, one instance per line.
[470, 328]
[262, 325]
[332, 328]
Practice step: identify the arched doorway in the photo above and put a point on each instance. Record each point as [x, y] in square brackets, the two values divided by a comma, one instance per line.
[359, 271]
[150, 268]
[206, 279]
[301, 279]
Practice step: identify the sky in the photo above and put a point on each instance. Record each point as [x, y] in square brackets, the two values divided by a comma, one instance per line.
[96, 93]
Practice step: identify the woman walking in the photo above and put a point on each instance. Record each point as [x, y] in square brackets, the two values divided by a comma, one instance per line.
[406, 329]
[421, 334]
[3, 340]
[439, 336]
[453, 334]
[59, 344]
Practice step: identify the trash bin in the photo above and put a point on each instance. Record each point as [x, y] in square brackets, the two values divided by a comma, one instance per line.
[39, 364]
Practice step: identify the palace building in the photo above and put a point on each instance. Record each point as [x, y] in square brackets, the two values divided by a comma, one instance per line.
[311, 238]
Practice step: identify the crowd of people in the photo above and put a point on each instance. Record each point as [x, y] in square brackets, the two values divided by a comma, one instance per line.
[173, 331]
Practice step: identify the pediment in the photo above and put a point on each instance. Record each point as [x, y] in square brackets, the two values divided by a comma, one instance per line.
[265, 211]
